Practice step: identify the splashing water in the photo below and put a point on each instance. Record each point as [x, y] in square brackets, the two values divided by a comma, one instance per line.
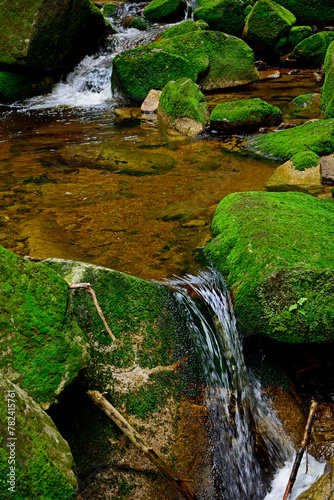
[239, 416]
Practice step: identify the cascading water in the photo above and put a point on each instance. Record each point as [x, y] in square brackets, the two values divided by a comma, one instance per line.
[240, 418]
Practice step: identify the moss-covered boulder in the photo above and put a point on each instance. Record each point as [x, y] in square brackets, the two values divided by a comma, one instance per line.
[266, 24]
[48, 35]
[327, 91]
[35, 460]
[297, 34]
[15, 86]
[159, 11]
[222, 15]
[275, 250]
[110, 9]
[301, 173]
[310, 12]
[183, 107]
[138, 23]
[212, 59]
[243, 115]
[181, 29]
[316, 136]
[42, 348]
[306, 106]
[312, 50]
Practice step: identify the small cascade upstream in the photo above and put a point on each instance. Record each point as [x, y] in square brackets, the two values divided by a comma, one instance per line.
[248, 441]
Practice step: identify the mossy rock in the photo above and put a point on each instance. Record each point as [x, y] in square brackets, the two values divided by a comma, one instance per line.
[222, 15]
[110, 9]
[183, 107]
[310, 12]
[39, 461]
[181, 29]
[316, 136]
[304, 160]
[223, 60]
[312, 50]
[17, 86]
[266, 24]
[275, 250]
[327, 91]
[323, 487]
[49, 36]
[42, 347]
[297, 34]
[139, 24]
[159, 11]
[306, 106]
[246, 114]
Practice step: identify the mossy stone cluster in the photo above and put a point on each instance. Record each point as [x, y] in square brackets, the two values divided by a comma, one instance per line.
[44, 466]
[327, 91]
[312, 50]
[287, 43]
[42, 347]
[15, 86]
[159, 11]
[183, 99]
[246, 114]
[222, 15]
[275, 250]
[45, 35]
[223, 60]
[266, 24]
[317, 136]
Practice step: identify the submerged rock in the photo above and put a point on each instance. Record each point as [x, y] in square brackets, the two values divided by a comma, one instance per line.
[42, 348]
[316, 136]
[159, 11]
[223, 60]
[243, 115]
[222, 15]
[312, 50]
[267, 22]
[306, 106]
[327, 91]
[183, 107]
[275, 251]
[39, 459]
[48, 35]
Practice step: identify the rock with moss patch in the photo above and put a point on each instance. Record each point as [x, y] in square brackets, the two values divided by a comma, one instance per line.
[110, 9]
[327, 91]
[139, 24]
[301, 173]
[316, 136]
[222, 15]
[306, 106]
[323, 487]
[297, 34]
[212, 59]
[267, 22]
[275, 251]
[15, 86]
[183, 107]
[40, 458]
[246, 114]
[159, 11]
[312, 50]
[181, 29]
[310, 12]
[49, 35]
[42, 348]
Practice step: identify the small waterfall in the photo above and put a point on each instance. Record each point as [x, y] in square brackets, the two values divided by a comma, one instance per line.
[239, 416]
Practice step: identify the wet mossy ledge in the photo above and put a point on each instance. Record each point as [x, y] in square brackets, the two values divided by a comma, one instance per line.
[276, 251]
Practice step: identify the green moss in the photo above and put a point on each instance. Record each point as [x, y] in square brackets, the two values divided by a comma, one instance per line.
[310, 12]
[312, 50]
[267, 22]
[17, 86]
[110, 9]
[42, 346]
[297, 34]
[181, 29]
[317, 137]
[304, 160]
[202, 24]
[164, 10]
[183, 99]
[222, 15]
[139, 24]
[275, 249]
[244, 115]
[307, 106]
[327, 91]
[303, 100]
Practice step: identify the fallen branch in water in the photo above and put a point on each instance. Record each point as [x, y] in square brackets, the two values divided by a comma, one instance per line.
[139, 442]
[300, 452]
[88, 288]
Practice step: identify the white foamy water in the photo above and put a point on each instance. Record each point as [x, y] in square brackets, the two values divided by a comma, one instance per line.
[303, 481]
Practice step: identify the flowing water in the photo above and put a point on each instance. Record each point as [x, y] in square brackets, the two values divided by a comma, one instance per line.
[82, 179]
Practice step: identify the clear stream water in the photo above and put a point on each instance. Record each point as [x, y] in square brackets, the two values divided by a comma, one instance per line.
[81, 179]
